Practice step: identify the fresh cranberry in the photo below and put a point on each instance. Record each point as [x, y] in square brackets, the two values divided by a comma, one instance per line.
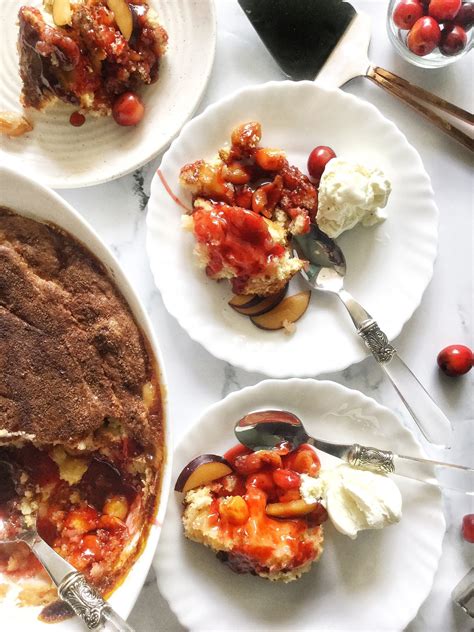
[444, 9]
[406, 13]
[468, 528]
[453, 40]
[318, 159]
[455, 360]
[424, 36]
[128, 109]
[465, 16]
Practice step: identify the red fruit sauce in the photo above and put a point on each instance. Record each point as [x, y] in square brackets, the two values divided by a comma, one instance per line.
[235, 238]
[262, 477]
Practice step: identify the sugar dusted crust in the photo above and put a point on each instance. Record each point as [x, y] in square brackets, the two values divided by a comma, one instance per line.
[65, 329]
[36, 594]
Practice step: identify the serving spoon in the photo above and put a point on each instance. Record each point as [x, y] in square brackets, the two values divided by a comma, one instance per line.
[267, 429]
[72, 586]
[326, 271]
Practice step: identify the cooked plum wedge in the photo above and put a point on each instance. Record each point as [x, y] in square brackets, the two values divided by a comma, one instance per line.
[285, 313]
[202, 470]
[256, 305]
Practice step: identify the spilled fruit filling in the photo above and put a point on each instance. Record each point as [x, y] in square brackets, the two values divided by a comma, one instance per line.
[92, 507]
[254, 517]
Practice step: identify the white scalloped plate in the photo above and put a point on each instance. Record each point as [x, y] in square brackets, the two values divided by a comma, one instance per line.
[62, 156]
[376, 582]
[389, 266]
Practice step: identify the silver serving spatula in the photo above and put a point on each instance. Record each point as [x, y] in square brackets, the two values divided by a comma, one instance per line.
[327, 41]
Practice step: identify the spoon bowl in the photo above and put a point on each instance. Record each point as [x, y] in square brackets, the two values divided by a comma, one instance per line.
[327, 264]
[266, 429]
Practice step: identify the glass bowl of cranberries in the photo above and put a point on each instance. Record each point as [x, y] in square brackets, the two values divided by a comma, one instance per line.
[431, 33]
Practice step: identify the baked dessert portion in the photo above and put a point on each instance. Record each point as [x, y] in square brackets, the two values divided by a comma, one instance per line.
[254, 517]
[88, 62]
[246, 206]
[81, 419]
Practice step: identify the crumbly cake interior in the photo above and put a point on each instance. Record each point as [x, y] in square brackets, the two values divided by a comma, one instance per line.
[81, 422]
[254, 518]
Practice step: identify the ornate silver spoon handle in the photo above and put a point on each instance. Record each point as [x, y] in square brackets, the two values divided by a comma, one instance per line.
[430, 419]
[457, 477]
[73, 588]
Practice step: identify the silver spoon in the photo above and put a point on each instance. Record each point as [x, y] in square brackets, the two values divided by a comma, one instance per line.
[266, 429]
[72, 586]
[326, 271]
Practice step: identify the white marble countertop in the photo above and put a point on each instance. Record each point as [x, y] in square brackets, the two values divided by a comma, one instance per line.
[117, 211]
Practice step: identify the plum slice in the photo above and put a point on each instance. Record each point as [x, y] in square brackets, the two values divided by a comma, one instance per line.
[202, 470]
[288, 311]
[123, 16]
[239, 301]
[290, 509]
[256, 305]
[62, 12]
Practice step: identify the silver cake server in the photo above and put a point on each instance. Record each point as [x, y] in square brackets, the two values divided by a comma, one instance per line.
[327, 41]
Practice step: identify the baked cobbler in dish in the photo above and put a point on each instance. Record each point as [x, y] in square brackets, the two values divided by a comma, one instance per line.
[246, 206]
[101, 50]
[248, 509]
[81, 419]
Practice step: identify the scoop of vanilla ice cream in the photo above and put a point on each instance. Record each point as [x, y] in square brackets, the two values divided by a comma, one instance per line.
[350, 193]
[355, 499]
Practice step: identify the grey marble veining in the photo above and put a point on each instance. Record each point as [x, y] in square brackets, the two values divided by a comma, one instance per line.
[117, 211]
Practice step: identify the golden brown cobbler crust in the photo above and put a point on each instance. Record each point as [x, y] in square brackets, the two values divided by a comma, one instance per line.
[71, 353]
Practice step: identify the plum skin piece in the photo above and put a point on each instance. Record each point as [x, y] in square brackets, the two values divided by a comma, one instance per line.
[202, 470]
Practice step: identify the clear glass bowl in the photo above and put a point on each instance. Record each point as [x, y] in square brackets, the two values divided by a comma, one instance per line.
[435, 59]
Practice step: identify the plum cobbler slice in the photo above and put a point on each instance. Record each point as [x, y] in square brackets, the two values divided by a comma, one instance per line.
[246, 206]
[248, 509]
[81, 422]
[99, 55]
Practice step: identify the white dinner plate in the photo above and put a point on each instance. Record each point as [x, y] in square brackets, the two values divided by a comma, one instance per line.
[372, 584]
[388, 266]
[27, 197]
[62, 156]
